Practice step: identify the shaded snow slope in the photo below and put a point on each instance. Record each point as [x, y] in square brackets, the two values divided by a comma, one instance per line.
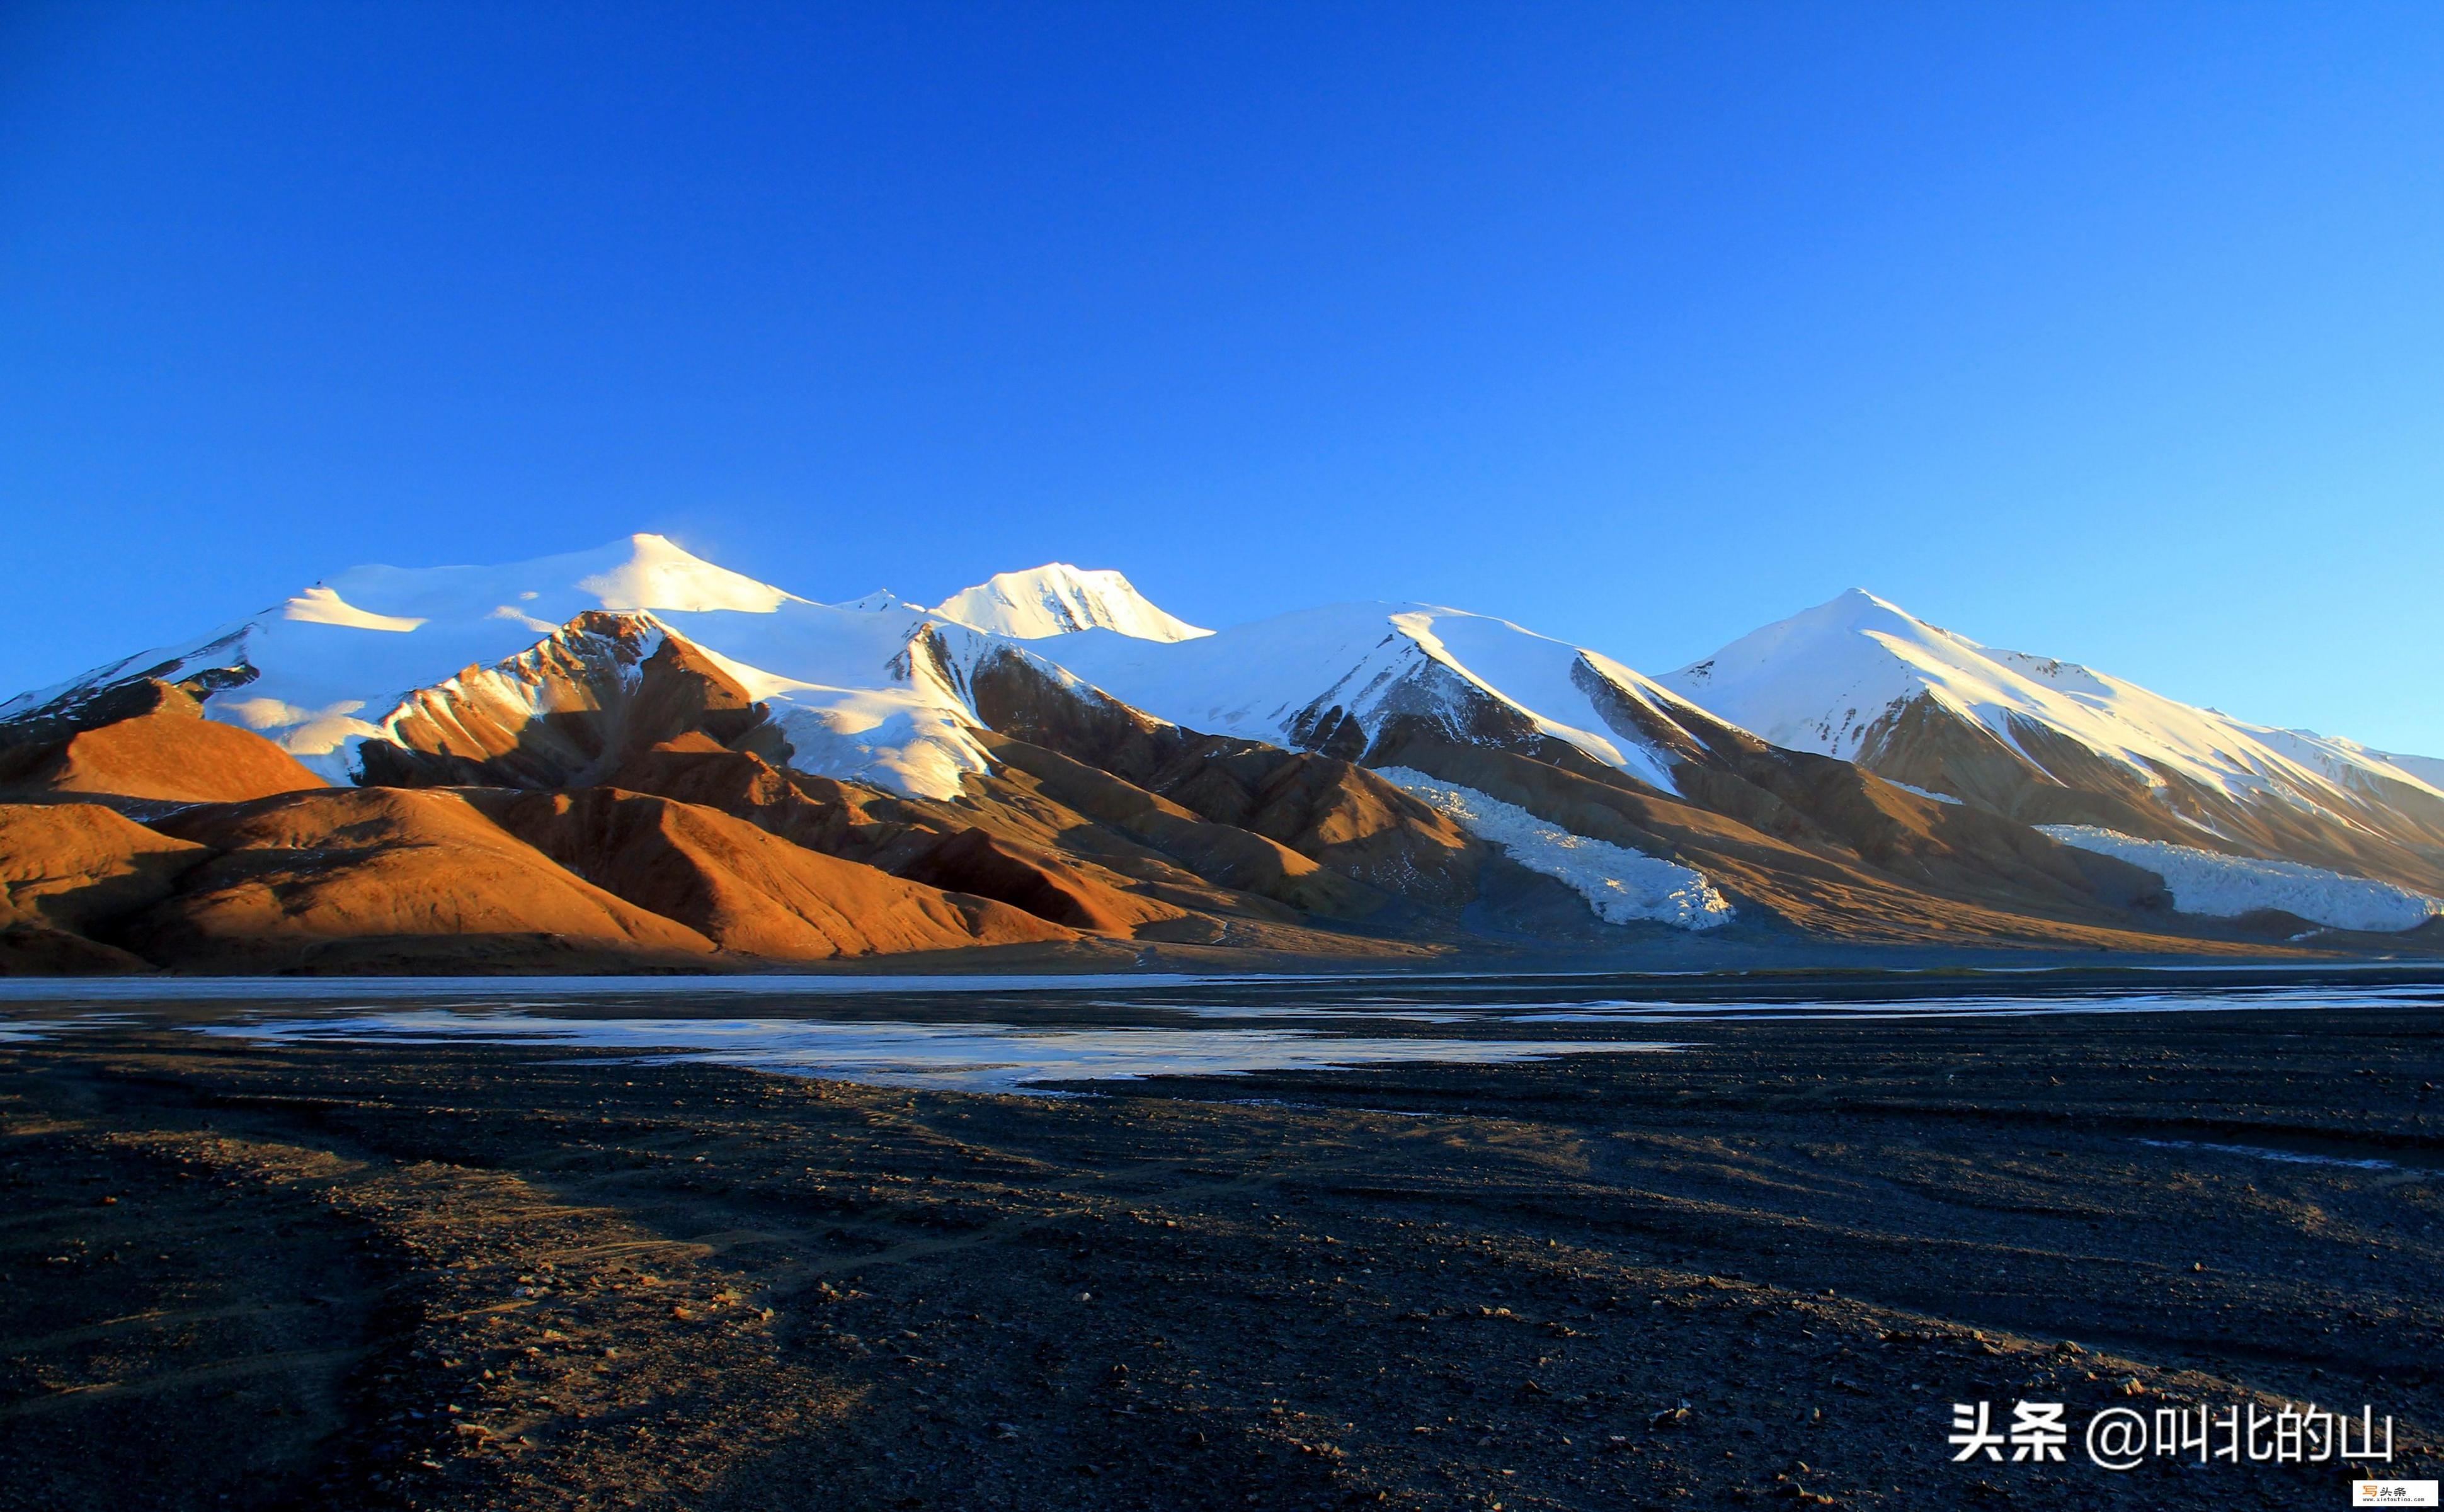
[875, 697]
[2229, 886]
[1833, 678]
[1057, 600]
[1281, 680]
[1620, 884]
[2427, 770]
[2349, 764]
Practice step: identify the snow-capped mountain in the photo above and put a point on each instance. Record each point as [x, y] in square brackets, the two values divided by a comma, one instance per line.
[1078, 722]
[1862, 679]
[1057, 600]
[867, 691]
[1337, 678]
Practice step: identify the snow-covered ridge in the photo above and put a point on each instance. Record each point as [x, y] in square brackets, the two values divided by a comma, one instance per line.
[1275, 679]
[1621, 885]
[1824, 679]
[1058, 600]
[344, 660]
[2229, 886]
[368, 638]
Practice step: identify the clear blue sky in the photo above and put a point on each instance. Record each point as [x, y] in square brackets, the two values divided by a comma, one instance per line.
[2115, 333]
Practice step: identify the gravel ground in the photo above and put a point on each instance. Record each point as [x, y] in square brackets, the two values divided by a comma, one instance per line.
[1762, 1268]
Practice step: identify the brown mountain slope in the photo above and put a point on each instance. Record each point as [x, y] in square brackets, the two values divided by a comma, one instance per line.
[1832, 849]
[68, 868]
[1034, 852]
[1221, 854]
[745, 890]
[147, 740]
[1950, 849]
[74, 866]
[1327, 809]
[626, 806]
[2397, 833]
[974, 861]
[1817, 889]
[381, 878]
[816, 812]
[1039, 850]
[567, 712]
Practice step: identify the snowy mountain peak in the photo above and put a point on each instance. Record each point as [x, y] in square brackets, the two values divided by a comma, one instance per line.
[1855, 646]
[1861, 601]
[1056, 599]
[654, 572]
[1356, 669]
[1856, 611]
[1860, 678]
[1830, 679]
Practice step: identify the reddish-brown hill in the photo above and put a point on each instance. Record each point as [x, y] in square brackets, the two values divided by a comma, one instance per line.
[67, 868]
[973, 861]
[375, 878]
[745, 890]
[150, 741]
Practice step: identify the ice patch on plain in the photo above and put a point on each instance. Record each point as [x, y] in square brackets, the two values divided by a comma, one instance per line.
[960, 1057]
[1620, 884]
[2229, 886]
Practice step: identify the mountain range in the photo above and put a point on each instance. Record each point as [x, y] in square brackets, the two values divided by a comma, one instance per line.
[631, 758]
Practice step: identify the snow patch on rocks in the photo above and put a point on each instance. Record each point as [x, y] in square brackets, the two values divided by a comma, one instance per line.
[1620, 884]
[2229, 886]
[1922, 792]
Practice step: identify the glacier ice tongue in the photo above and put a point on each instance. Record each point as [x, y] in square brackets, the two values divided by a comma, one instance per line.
[2223, 886]
[1620, 884]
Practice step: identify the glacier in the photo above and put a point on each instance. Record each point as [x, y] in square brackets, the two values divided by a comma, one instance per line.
[1621, 885]
[2223, 886]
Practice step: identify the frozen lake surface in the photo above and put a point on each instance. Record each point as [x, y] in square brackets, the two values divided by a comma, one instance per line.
[1009, 1033]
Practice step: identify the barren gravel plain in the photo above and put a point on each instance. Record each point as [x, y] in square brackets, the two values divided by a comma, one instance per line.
[1760, 1267]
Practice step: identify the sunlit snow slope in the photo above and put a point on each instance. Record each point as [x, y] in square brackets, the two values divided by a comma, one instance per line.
[872, 692]
[1862, 679]
[1058, 599]
[1297, 679]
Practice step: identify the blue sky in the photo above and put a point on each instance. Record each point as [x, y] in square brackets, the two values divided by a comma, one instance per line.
[2115, 333]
